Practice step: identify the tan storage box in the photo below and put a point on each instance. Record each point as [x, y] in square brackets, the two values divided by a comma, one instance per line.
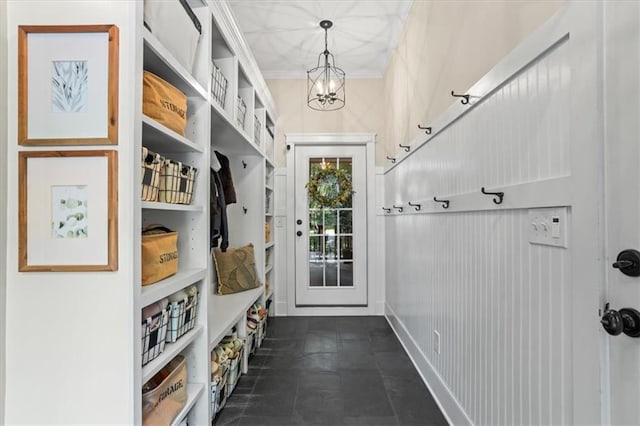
[159, 253]
[165, 394]
[164, 103]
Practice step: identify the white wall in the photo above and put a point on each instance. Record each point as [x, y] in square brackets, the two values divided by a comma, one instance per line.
[3, 199]
[69, 339]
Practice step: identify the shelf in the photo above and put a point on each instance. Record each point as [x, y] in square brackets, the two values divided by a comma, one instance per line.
[156, 205]
[170, 351]
[194, 390]
[154, 292]
[227, 137]
[268, 296]
[268, 269]
[268, 188]
[268, 215]
[269, 162]
[269, 245]
[159, 138]
[158, 60]
[227, 310]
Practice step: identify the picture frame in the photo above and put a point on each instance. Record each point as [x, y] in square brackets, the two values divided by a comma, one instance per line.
[68, 85]
[68, 211]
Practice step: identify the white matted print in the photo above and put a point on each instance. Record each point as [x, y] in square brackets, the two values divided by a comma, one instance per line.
[68, 209]
[68, 85]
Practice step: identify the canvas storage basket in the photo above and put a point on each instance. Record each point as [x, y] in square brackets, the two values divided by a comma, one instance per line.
[176, 182]
[175, 25]
[154, 329]
[164, 103]
[165, 394]
[159, 253]
[184, 311]
[151, 167]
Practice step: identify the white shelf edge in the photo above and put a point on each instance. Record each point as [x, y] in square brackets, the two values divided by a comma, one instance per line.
[268, 215]
[270, 294]
[235, 308]
[194, 390]
[269, 245]
[157, 205]
[170, 351]
[172, 62]
[269, 187]
[268, 269]
[241, 132]
[148, 121]
[154, 292]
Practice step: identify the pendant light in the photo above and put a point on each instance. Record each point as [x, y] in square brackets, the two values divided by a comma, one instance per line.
[325, 82]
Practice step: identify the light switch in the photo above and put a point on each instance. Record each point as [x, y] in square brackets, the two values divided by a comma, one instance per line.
[548, 226]
[555, 227]
[279, 222]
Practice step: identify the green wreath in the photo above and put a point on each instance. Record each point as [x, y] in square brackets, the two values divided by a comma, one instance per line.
[330, 187]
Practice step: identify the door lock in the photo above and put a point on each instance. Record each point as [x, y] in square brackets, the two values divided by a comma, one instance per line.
[299, 221]
[299, 233]
[626, 320]
[628, 262]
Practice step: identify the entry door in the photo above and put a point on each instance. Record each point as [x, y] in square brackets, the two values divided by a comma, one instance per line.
[331, 240]
[622, 201]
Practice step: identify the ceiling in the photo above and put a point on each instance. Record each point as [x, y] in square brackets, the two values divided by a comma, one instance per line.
[286, 39]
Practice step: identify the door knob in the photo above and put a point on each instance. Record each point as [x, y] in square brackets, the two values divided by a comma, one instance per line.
[299, 233]
[628, 262]
[626, 320]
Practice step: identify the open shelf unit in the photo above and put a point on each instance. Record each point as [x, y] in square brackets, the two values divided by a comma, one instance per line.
[229, 110]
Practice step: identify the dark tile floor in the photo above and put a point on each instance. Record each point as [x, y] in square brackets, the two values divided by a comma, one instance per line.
[330, 371]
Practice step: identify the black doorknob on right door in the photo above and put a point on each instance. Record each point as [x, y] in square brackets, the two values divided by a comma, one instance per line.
[299, 233]
[626, 320]
[628, 262]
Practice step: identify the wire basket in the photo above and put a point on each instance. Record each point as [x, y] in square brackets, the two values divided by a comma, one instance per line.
[176, 182]
[151, 167]
[183, 317]
[154, 330]
[242, 112]
[218, 85]
[257, 127]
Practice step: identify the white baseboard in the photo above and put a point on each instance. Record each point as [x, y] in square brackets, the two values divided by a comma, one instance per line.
[281, 309]
[449, 405]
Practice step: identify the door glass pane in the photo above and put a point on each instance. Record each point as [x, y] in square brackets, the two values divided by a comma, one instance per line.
[315, 221]
[331, 277]
[330, 222]
[346, 247]
[316, 274]
[330, 249]
[315, 248]
[345, 222]
[346, 274]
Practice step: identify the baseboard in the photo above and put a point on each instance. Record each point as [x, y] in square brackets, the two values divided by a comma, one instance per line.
[447, 402]
[281, 309]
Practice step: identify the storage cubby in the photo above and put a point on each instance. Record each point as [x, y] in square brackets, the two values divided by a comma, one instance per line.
[224, 60]
[245, 105]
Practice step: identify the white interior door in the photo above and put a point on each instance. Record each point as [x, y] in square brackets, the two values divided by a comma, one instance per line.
[331, 241]
[622, 201]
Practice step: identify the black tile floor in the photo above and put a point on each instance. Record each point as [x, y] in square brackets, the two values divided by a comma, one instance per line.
[330, 371]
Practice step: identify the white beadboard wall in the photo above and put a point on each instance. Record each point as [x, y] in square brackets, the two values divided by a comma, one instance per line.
[472, 275]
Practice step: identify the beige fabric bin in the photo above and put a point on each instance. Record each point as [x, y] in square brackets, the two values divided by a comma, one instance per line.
[165, 394]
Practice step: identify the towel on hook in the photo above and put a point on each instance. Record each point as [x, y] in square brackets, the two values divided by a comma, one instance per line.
[227, 180]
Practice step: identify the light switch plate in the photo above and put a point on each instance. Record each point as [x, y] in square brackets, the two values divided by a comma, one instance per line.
[548, 226]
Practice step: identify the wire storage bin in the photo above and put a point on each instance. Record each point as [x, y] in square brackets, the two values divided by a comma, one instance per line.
[218, 85]
[257, 127]
[176, 182]
[184, 311]
[151, 168]
[242, 112]
[155, 319]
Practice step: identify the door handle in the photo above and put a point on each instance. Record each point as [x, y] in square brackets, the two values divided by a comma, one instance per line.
[628, 262]
[299, 233]
[626, 320]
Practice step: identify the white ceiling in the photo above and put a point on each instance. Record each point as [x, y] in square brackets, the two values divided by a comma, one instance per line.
[286, 39]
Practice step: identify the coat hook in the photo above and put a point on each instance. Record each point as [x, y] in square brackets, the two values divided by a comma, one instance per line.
[445, 203]
[244, 164]
[416, 205]
[427, 130]
[400, 208]
[407, 148]
[244, 209]
[500, 195]
[464, 100]
[386, 210]
[393, 160]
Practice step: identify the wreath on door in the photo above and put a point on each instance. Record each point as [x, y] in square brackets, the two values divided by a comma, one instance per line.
[330, 187]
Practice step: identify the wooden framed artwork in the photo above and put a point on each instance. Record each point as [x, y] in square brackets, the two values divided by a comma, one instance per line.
[68, 207]
[68, 85]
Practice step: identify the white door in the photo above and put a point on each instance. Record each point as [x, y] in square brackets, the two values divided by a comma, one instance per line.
[331, 237]
[622, 201]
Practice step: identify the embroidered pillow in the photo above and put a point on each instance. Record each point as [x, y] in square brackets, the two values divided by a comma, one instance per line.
[236, 269]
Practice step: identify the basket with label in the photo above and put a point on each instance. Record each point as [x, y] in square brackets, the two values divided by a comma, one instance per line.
[151, 167]
[155, 318]
[159, 253]
[184, 310]
[164, 103]
[257, 127]
[165, 394]
[176, 182]
[242, 112]
[218, 85]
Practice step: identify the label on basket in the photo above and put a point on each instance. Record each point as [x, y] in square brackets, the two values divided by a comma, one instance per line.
[168, 391]
[147, 177]
[183, 185]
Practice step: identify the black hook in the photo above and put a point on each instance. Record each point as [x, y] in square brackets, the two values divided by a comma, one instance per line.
[400, 208]
[407, 148]
[386, 210]
[393, 160]
[244, 165]
[244, 209]
[464, 100]
[417, 206]
[427, 130]
[500, 195]
[445, 203]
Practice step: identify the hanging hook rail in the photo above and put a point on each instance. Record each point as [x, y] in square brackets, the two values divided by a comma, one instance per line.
[400, 208]
[464, 100]
[500, 195]
[393, 160]
[445, 203]
[417, 206]
[244, 164]
[386, 210]
[407, 148]
[427, 130]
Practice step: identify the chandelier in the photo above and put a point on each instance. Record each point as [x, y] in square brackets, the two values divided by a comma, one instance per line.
[325, 82]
